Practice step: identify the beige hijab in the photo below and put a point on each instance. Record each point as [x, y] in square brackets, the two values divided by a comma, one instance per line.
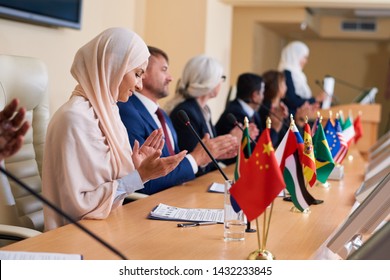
[290, 60]
[99, 67]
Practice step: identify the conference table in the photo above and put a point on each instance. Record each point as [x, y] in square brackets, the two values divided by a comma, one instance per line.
[292, 235]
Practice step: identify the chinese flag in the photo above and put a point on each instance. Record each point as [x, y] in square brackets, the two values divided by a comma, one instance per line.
[261, 181]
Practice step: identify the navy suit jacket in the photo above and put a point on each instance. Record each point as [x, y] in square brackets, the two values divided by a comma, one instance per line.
[224, 126]
[140, 124]
[234, 107]
[292, 100]
[186, 139]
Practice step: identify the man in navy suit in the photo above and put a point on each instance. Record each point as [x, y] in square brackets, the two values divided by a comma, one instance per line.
[139, 117]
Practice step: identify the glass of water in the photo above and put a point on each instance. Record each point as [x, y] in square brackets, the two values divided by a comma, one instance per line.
[234, 218]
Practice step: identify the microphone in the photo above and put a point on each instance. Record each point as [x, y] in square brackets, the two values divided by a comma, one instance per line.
[233, 120]
[276, 116]
[319, 84]
[62, 213]
[346, 83]
[368, 94]
[186, 120]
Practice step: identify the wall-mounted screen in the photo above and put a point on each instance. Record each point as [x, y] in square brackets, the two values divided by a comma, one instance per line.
[57, 13]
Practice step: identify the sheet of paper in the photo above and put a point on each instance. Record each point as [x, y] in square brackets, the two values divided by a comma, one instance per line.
[217, 187]
[166, 212]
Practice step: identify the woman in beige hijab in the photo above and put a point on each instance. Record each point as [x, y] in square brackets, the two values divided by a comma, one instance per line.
[89, 166]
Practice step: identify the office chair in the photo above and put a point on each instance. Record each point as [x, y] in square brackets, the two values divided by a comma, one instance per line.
[21, 214]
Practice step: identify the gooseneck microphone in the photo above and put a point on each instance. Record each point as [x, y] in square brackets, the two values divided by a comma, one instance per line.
[186, 120]
[346, 83]
[276, 116]
[318, 83]
[62, 213]
[233, 120]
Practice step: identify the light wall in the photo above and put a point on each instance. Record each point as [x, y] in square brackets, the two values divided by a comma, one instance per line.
[185, 28]
[361, 62]
[57, 46]
[239, 38]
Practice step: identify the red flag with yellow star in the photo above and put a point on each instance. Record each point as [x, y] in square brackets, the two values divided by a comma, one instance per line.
[261, 180]
[308, 159]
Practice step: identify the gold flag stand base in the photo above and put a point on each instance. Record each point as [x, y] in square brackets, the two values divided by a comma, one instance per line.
[261, 255]
[296, 210]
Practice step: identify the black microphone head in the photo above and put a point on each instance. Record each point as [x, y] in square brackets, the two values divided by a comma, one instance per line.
[231, 118]
[183, 117]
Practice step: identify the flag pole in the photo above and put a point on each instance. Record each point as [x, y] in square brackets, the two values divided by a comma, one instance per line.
[264, 230]
[258, 235]
[268, 225]
[246, 125]
[262, 253]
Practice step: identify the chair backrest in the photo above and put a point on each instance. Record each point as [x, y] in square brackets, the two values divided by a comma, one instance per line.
[24, 78]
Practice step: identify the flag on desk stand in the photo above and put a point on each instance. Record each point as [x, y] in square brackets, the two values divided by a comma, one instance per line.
[308, 159]
[287, 155]
[357, 124]
[337, 145]
[315, 125]
[243, 155]
[341, 118]
[348, 130]
[340, 155]
[261, 181]
[244, 152]
[322, 154]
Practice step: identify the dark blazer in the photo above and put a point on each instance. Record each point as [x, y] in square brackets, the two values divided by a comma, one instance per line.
[276, 137]
[186, 139]
[292, 100]
[140, 124]
[223, 126]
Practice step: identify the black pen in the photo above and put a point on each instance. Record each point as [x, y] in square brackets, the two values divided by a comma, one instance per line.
[196, 224]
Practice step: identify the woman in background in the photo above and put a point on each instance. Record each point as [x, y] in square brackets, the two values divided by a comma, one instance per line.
[274, 92]
[201, 81]
[273, 106]
[293, 59]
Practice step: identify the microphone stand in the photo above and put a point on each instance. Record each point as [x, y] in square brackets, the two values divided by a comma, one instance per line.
[318, 83]
[274, 115]
[62, 213]
[347, 84]
[184, 117]
[363, 91]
